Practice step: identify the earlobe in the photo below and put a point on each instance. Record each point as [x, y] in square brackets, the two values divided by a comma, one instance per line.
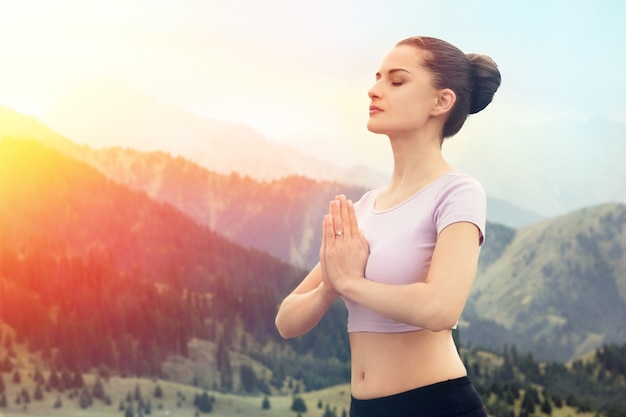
[445, 101]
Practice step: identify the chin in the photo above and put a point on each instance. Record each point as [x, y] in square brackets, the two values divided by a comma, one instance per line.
[375, 128]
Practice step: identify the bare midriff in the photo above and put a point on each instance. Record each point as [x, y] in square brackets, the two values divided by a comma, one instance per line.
[390, 363]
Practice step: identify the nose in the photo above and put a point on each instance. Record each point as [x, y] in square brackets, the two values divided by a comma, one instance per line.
[372, 93]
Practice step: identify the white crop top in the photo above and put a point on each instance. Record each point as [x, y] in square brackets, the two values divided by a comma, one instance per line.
[402, 238]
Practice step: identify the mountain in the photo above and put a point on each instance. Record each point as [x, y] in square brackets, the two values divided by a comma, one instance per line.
[240, 207]
[109, 112]
[93, 274]
[46, 196]
[557, 287]
[280, 217]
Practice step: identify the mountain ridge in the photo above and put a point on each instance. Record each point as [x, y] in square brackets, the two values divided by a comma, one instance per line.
[110, 112]
[559, 284]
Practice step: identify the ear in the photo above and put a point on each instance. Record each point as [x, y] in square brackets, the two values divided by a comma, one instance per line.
[445, 101]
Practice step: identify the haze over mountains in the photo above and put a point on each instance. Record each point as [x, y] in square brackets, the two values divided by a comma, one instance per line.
[224, 202]
[552, 168]
[544, 170]
[110, 112]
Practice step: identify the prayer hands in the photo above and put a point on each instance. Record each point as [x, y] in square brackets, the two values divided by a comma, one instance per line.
[344, 249]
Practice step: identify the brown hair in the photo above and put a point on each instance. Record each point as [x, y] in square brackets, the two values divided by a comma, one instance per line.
[473, 78]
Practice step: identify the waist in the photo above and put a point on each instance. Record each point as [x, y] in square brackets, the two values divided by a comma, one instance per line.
[452, 397]
[389, 363]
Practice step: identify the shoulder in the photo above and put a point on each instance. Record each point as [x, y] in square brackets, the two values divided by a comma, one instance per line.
[460, 197]
[458, 185]
[459, 178]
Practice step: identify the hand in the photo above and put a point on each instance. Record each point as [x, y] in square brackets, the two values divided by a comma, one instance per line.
[344, 250]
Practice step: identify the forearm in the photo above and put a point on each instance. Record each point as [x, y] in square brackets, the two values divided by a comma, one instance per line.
[418, 304]
[300, 312]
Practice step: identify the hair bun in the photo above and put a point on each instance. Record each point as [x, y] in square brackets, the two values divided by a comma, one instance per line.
[486, 79]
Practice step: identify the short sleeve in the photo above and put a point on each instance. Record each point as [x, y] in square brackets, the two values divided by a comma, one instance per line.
[462, 200]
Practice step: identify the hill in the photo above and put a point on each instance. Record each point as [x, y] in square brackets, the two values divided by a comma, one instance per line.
[557, 287]
[510, 383]
[46, 196]
[112, 277]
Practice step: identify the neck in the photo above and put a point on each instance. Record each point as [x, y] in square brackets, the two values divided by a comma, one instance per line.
[417, 160]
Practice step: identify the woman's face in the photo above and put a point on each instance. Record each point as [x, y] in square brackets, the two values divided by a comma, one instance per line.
[402, 98]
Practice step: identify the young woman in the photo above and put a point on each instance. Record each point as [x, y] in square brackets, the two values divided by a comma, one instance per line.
[404, 257]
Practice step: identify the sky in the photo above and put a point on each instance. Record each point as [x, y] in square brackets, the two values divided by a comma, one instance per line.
[298, 72]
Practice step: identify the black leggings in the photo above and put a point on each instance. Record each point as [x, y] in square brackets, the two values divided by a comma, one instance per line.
[452, 398]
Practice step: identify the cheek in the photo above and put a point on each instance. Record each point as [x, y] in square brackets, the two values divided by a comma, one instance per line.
[409, 109]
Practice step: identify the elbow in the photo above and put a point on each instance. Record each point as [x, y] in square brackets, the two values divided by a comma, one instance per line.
[283, 328]
[442, 317]
[442, 324]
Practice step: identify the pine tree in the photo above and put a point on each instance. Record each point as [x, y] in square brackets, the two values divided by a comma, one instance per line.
[25, 396]
[328, 412]
[137, 395]
[77, 381]
[266, 405]
[546, 408]
[38, 394]
[97, 391]
[53, 380]
[39, 379]
[224, 366]
[249, 380]
[205, 403]
[85, 399]
[298, 405]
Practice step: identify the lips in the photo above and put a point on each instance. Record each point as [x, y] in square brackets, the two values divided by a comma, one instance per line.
[375, 109]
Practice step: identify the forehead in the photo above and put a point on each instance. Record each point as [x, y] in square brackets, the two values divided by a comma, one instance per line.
[403, 56]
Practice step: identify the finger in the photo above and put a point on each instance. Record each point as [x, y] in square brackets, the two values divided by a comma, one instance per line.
[336, 218]
[345, 219]
[323, 245]
[351, 216]
[329, 230]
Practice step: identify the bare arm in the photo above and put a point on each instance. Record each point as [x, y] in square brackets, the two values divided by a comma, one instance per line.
[301, 310]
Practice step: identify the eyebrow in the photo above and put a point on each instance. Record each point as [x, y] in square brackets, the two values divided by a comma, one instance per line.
[391, 71]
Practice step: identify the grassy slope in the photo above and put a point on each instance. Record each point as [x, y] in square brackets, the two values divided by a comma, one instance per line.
[117, 388]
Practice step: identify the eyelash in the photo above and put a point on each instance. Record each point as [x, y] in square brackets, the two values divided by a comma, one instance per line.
[395, 84]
